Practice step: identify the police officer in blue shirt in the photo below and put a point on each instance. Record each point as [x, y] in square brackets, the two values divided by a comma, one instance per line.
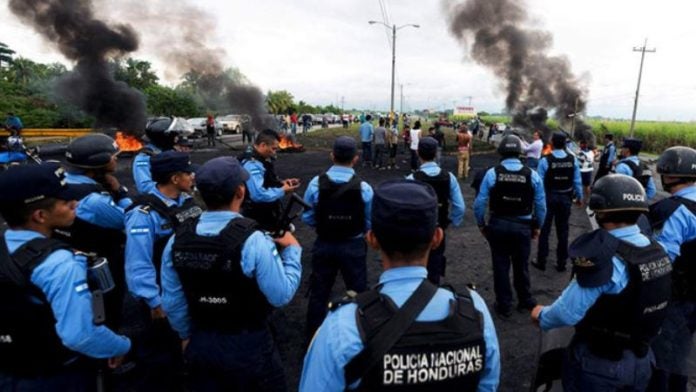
[48, 326]
[265, 191]
[150, 221]
[517, 210]
[367, 133]
[160, 138]
[618, 299]
[630, 165]
[341, 204]
[406, 333]
[450, 202]
[560, 172]
[674, 222]
[607, 158]
[221, 278]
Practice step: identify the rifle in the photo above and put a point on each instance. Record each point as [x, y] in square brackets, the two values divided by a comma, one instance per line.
[284, 223]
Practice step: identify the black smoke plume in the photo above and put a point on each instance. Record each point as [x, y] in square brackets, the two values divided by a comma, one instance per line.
[498, 36]
[72, 26]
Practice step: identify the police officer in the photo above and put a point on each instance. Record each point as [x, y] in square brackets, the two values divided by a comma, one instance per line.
[221, 278]
[150, 221]
[560, 172]
[674, 222]
[517, 210]
[630, 165]
[341, 205]
[264, 201]
[448, 194]
[618, 300]
[397, 335]
[48, 326]
[160, 138]
[608, 157]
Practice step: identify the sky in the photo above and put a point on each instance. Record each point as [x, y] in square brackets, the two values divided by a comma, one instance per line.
[324, 51]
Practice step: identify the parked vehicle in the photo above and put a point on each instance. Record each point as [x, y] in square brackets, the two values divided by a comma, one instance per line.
[199, 126]
[233, 123]
[171, 124]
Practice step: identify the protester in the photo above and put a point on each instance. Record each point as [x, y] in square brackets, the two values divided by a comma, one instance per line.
[380, 144]
[464, 148]
[533, 151]
[414, 138]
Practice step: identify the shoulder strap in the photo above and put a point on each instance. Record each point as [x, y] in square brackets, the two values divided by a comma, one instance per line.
[390, 333]
[150, 200]
[17, 267]
[688, 203]
[634, 167]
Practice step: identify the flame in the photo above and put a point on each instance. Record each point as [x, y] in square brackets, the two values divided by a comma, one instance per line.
[286, 143]
[127, 143]
[547, 150]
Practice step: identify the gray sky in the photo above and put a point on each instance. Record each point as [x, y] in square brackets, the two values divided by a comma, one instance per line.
[323, 50]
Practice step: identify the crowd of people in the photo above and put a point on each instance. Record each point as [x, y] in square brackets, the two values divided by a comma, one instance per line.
[143, 287]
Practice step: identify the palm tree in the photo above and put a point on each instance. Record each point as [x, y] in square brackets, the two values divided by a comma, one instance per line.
[5, 54]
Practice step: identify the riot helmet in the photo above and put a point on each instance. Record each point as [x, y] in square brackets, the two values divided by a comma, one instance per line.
[679, 162]
[91, 151]
[618, 192]
[510, 146]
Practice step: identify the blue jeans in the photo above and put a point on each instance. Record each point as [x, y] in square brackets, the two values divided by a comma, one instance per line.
[244, 362]
[584, 371]
[532, 163]
[329, 257]
[510, 245]
[558, 207]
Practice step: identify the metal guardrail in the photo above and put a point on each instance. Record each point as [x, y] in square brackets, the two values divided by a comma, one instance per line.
[49, 132]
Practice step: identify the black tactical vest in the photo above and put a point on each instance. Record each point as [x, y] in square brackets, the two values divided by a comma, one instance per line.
[444, 355]
[604, 159]
[174, 216]
[631, 319]
[684, 268]
[513, 192]
[641, 172]
[104, 242]
[29, 344]
[220, 297]
[441, 185]
[340, 212]
[266, 214]
[560, 175]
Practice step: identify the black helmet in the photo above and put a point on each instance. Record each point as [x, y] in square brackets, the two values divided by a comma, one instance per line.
[618, 192]
[91, 151]
[677, 161]
[510, 145]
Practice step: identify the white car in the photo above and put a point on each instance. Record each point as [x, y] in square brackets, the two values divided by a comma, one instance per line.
[231, 123]
[198, 124]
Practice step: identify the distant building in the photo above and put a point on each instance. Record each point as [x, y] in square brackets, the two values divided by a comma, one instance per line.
[464, 111]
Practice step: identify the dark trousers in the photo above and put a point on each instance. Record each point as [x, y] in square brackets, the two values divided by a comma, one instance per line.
[69, 380]
[414, 159]
[510, 245]
[558, 208]
[584, 371]
[327, 259]
[247, 136]
[367, 152]
[243, 362]
[437, 262]
[380, 150]
[211, 137]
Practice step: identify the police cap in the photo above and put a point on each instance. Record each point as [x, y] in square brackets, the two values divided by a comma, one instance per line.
[677, 161]
[91, 151]
[29, 183]
[345, 148]
[170, 162]
[404, 210]
[427, 148]
[634, 145]
[592, 255]
[618, 192]
[221, 175]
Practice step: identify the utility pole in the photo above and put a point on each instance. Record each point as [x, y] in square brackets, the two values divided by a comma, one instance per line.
[391, 108]
[643, 50]
[401, 103]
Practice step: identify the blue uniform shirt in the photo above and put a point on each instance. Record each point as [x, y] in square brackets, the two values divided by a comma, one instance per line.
[278, 276]
[338, 340]
[513, 164]
[339, 175]
[622, 168]
[99, 208]
[143, 228]
[62, 277]
[577, 181]
[611, 154]
[457, 206]
[254, 184]
[366, 132]
[680, 227]
[141, 170]
[575, 301]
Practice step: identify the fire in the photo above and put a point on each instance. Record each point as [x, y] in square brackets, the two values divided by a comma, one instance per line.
[286, 144]
[547, 150]
[128, 143]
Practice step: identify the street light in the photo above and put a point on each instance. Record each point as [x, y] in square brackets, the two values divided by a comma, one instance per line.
[394, 29]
